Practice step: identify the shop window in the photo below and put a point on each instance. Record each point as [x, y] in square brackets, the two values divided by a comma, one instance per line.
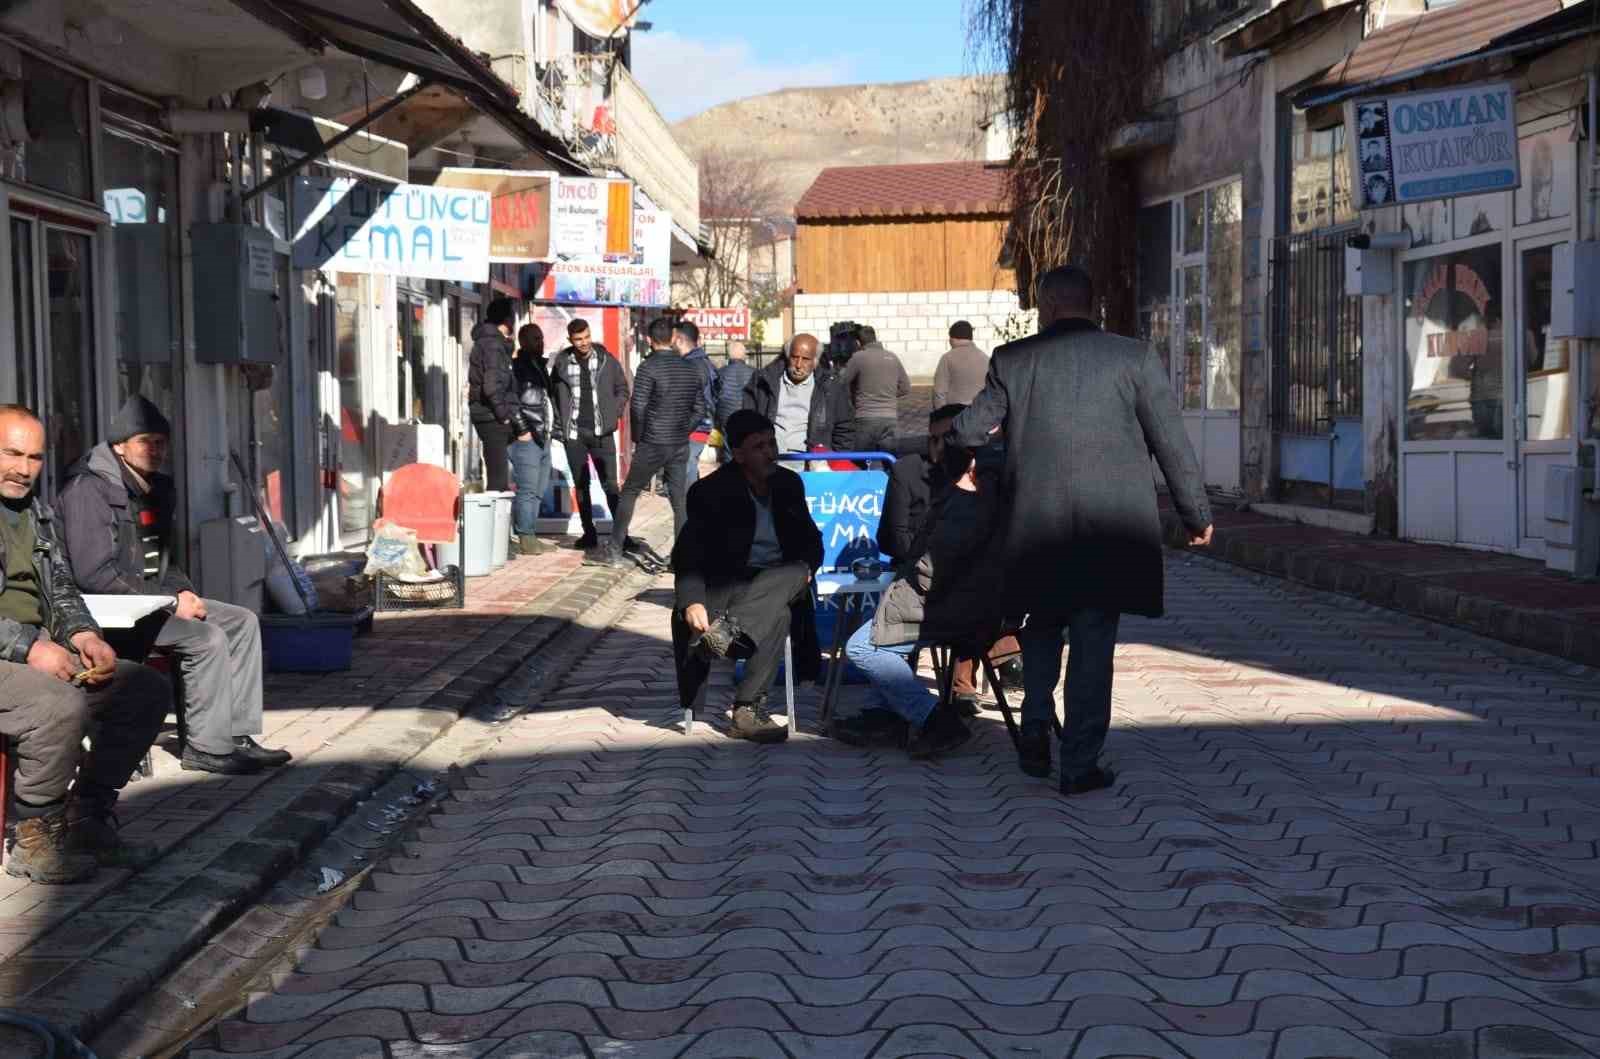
[55, 107]
[1194, 223]
[1224, 295]
[273, 408]
[1319, 178]
[1203, 277]
[71, 413]
[355, 455]
[1455, 386]
[1428, 222]
[1549, 166]
[141, 187]
[1546, 360]
[1479, 214]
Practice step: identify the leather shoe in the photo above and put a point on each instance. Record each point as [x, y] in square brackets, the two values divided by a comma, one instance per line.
[1098, 780]
[248, 747]
[1033, 748]
[234, 764]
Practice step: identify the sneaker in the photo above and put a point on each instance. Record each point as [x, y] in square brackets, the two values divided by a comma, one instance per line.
[243, 744]
[41, 852]
[966, 705]
[95, 832]
[941, 734]
[1098, 780]
[1033, 748]
[234, 764]
[753, 721]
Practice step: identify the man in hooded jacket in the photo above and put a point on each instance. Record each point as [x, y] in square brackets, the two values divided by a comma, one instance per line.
[492, 395]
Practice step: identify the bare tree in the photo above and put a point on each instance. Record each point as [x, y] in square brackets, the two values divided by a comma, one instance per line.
[739, 198]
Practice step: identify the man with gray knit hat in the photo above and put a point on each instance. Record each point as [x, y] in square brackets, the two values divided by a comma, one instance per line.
[118, 509]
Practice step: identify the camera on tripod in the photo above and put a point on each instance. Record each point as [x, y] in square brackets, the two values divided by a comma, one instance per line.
[844, 339]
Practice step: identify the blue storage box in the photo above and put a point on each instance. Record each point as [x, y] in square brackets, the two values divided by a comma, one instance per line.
[311, 643]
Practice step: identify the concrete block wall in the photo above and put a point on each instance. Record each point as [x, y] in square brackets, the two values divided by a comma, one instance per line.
[916, 325]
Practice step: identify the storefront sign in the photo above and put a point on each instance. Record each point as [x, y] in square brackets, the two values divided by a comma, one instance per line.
[1434, 145]
[365, 226]
[846, 506]
[519, 220]
[720, 325]
[606, 251]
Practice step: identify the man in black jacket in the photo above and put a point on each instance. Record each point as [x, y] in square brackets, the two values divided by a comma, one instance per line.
[530, 453]
[1082, 411]
[117, 509]
[747, 554]
[58, 680]
[492, 394]
[668, 401]
[589, 393]
[807, 411]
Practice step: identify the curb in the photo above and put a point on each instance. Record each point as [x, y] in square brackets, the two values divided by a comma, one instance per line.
[1547, 632]
[85, 971]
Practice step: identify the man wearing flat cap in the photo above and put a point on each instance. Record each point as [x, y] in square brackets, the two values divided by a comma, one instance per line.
[117, 510]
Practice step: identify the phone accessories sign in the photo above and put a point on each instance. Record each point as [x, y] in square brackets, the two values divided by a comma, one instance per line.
[1434, 145]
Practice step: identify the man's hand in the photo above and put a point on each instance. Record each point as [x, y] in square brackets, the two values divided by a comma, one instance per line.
[97, 655]
[47, 656]
[190, 607]
[1201, 539]
[695, 616]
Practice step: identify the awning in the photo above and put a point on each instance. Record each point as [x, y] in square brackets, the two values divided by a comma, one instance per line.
[1433, 41]
[1277, 25]
[399, 34]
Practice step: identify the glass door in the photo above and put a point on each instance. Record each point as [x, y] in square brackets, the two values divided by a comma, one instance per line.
[1544, 398]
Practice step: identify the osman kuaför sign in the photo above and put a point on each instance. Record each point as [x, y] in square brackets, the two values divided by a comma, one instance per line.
[1433, 145]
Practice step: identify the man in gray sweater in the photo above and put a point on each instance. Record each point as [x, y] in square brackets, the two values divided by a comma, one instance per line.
[875, 380]
[960, 374]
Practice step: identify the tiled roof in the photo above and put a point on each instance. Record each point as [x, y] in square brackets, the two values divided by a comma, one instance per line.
[940, 188]
[1431, 38]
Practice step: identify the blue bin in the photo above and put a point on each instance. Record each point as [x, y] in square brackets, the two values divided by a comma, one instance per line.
[310, 643]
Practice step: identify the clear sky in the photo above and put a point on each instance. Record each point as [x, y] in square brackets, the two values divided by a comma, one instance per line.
[704, 52]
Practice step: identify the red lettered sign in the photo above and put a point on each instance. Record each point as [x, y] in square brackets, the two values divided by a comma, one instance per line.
[720, 325]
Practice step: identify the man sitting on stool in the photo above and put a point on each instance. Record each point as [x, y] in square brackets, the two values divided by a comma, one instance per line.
[745, 558]
[117, 510]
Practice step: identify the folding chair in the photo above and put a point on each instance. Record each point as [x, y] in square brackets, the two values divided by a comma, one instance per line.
[944, 657]
[788, 691]
[427, 500]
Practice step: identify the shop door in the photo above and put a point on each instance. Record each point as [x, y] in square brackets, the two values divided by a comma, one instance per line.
[1208, 286]
[1543, 396]
[53, 284]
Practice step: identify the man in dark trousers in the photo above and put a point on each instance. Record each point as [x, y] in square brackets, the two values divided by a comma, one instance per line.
[1082, 412]
[590, 394]
[747, 554]
[807, 411]
[117, 511]
[686, 340]
[875, 381]
[668, 400]
[492, 393]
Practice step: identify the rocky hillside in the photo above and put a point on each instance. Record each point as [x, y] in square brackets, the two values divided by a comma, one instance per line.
[801, 131]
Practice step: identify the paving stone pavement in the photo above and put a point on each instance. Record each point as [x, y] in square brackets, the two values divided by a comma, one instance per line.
[1337, 831]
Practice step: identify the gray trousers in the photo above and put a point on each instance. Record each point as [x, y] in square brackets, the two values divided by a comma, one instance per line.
[760, 606]
[220, 659]
[46, 718]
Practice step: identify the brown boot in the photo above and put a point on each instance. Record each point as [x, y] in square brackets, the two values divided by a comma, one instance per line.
[93, 831]
[41, 852]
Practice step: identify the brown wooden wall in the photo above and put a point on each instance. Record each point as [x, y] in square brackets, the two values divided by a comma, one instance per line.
[921, 254]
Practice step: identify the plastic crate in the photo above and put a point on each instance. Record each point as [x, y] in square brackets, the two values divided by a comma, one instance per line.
[311, 643]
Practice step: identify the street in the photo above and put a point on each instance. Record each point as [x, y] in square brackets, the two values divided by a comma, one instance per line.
[1337, 831]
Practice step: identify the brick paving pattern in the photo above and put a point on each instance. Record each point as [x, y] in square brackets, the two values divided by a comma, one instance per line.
[1337, 831]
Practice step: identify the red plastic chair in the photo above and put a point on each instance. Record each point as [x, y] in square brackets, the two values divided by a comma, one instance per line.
[425, 499]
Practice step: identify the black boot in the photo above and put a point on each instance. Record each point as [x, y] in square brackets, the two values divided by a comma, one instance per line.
[1033, 748]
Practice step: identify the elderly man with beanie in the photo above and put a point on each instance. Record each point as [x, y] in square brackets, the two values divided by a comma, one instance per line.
[117, 509]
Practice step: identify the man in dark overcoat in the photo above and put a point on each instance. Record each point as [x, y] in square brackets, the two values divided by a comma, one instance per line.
[1082, 412]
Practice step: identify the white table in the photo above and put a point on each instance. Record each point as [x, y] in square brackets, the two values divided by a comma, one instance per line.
[124, 612]
[846, 588]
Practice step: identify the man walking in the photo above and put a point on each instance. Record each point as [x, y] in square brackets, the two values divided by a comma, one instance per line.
[491, 393]
[875, 380]
[961, 371]
[1082, 413]
[668, 399]
[117, 511]
[686, 340]
[590, 394]
[808, 412]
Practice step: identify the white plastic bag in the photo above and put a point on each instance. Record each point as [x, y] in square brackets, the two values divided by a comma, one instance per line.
[393, 552]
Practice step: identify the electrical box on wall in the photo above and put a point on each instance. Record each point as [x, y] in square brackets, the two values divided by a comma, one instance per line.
[1368, 271]
[1574, 267]
[241, 316]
